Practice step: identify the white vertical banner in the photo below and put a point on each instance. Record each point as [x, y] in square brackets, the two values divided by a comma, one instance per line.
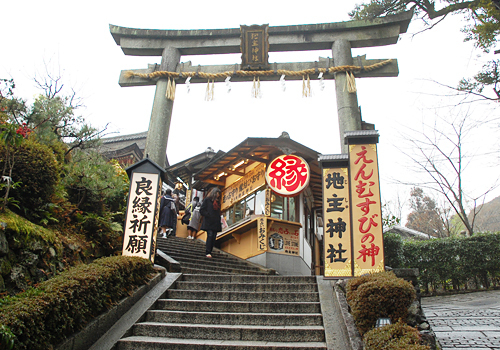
[142, 216]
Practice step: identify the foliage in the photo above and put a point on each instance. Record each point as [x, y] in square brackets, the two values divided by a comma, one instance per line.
[94, 185]
[378, 295]
[398, 336]
[426, 216]
[39, 172]
[489, 76]
[41, 318]
[11, 137]
[105, 231]
[49, 182]
[6, 338]
[454, 262]
[55, 122]
[12, 109]
[483, 28]
[393, 250]
[389, 219]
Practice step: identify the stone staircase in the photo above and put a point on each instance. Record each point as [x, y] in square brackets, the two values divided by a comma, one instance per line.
[191, 256]
[227, 303]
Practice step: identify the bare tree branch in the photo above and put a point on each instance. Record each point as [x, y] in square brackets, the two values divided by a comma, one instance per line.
[440, 155]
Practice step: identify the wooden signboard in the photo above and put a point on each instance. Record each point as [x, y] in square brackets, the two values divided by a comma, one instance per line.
[141, 224]
[366, 210]
[255, 47]
[244, 186]
[337, 223]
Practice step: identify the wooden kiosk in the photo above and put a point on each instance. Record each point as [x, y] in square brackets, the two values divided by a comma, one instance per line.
[263, 226]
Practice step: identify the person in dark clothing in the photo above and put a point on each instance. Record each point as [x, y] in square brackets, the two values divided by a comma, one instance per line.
[194, 219]
[210, 210]
[168, 213]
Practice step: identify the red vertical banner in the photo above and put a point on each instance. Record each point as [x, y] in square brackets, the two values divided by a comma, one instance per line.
[366, 210]
[337, 223]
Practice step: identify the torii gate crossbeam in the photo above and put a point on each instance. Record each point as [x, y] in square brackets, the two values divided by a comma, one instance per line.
[340, 37]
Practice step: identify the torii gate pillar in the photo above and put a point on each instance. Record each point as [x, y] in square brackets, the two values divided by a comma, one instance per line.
[161, 115]
[347, 103]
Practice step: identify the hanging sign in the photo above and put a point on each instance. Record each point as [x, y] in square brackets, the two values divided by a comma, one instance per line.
[267, 204]
[337, 223]
[262, 233]
[288, 175]
[368, 243]
[255, 47]
[247, 184]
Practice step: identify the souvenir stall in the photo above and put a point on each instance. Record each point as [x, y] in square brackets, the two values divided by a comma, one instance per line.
[271, 196]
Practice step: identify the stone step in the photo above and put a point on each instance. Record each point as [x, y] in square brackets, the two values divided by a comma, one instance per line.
[249, 278]
[149, 343]
[247, 287]
[237, 306]
[235, 318]
[191, 256]
[230, 332]
[207, 272]
[225, 302]
[242, 296]
[197, 255]
[214, 262]
[186, 246]
[190, 253]
[216, 268]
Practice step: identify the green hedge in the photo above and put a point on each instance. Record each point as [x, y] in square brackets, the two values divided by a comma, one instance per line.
[453, 262]
[43, 317]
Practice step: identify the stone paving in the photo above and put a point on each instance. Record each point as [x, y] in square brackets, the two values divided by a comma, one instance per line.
[465, 321]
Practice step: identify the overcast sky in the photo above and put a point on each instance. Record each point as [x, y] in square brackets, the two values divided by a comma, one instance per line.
[75, 40]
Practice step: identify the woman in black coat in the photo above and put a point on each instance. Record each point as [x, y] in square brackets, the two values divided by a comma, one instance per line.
[210, 210]
[167, 212]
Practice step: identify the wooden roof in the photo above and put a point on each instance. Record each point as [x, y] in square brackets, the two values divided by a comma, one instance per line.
[261, 150]
[185, 169]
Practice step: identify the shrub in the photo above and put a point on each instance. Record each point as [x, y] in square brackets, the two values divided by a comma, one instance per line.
[38, 171]
[398, 336]
[44, 316]
[378, 295]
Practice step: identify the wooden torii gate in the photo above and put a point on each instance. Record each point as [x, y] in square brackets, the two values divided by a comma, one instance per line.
[340, 37]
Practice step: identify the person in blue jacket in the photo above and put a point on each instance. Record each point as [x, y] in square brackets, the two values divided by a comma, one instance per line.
[210, 210]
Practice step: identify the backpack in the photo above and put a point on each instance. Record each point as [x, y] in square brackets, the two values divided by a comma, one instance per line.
[186, 217]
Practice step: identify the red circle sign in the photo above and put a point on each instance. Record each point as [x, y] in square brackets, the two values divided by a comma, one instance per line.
[288, 175]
